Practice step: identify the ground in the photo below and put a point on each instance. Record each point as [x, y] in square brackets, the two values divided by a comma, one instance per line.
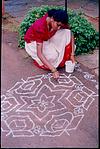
[9, 23]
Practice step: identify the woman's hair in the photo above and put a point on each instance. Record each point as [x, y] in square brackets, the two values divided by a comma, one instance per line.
[59, 15]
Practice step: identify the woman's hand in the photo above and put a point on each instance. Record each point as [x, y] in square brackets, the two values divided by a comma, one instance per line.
[55, 74]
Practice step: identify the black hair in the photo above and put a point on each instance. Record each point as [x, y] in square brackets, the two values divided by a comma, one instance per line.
[59, 15]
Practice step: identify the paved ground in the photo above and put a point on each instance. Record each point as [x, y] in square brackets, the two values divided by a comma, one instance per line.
[38, 111]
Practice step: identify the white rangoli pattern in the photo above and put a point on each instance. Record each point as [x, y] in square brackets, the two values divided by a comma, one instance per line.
[45, 107]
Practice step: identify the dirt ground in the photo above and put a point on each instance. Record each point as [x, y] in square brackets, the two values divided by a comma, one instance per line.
[9, 23]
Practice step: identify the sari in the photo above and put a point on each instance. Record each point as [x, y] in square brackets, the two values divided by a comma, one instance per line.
[57, 45]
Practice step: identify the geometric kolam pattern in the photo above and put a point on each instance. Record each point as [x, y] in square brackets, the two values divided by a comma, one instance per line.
[43, 106]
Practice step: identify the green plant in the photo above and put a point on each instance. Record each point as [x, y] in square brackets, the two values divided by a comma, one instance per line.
[86, 37]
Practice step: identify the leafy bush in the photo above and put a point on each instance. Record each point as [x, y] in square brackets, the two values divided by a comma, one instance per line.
[86, 37]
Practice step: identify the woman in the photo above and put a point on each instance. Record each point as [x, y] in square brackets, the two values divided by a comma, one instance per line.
[49, 41]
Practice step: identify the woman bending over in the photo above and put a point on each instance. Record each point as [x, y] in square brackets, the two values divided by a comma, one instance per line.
[50, 42]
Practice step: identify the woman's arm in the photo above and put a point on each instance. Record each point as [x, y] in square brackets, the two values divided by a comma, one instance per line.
[73, 49]
[54, 71]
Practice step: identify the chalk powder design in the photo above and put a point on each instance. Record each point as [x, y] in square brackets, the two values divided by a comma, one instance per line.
[44, 107]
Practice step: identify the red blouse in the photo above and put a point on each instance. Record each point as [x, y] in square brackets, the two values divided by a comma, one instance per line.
[38, 31]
